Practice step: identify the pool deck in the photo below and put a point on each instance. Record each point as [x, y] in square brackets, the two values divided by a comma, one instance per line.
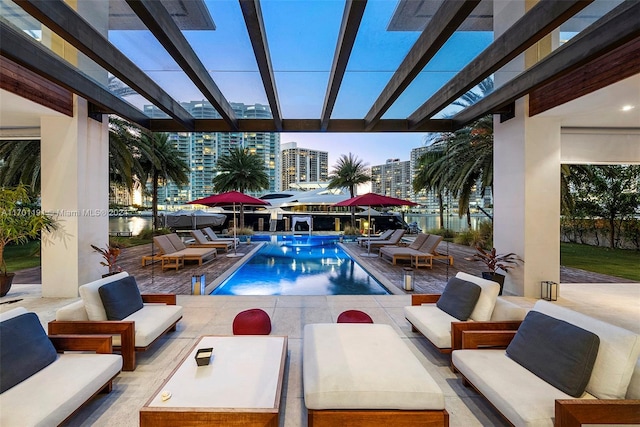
[604, 298]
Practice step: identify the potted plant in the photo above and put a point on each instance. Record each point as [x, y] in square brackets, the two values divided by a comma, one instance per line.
[110, 254]
[19, 222]
[494, 261]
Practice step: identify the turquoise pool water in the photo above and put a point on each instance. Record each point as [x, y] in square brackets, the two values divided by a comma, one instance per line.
[300, 265]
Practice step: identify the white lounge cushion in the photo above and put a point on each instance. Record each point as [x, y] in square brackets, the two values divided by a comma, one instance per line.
[633, 392]
[487, 300]
[364, 366]
[617, 354]
[506, 310]
[50, 396]
[151, 321]
[14, 312]
[523, 398]
[432, 322]
[91, 297]
[73, 312]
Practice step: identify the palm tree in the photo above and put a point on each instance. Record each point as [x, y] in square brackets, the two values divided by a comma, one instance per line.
[430, 176]
[349, 172]
[21, 164]
[242, 171]
[161, 162]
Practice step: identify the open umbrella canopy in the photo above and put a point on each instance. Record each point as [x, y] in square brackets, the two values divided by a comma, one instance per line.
[229, 198]
[373, 199]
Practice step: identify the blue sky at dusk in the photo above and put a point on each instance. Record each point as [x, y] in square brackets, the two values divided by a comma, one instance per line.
[302, 37]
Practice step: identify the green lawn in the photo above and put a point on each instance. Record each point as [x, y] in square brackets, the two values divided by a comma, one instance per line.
[613, 262]
[19, 257]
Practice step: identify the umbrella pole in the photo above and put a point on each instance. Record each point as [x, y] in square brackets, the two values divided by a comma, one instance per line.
[368, 254]
[235, 228]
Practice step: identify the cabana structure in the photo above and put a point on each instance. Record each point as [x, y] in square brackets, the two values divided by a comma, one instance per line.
[554, 102]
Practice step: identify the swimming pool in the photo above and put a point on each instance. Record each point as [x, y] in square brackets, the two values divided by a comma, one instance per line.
[300, 265]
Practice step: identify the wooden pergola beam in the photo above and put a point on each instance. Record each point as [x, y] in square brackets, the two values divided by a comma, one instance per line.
[351, 18]
[533, 26]
[25, 51]
[606, 34]
[155, 16]
[449, 16]
[255, 26]
[65, 22]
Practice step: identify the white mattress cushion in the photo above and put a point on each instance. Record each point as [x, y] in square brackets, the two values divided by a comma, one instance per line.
[488, 293]
[50, 396]
[432, 322]
[151, 321]
[364, 366]
[523, 398]
[617, 354]
[91, 297]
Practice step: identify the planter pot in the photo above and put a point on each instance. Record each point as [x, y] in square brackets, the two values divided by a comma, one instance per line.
[5, 283]
[495, 277]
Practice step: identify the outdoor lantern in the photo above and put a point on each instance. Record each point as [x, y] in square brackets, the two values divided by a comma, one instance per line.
[549, 291]
[198, 282]
[407, 279]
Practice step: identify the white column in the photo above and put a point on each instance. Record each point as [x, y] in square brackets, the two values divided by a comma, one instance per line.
[74, 162]
[527, 198]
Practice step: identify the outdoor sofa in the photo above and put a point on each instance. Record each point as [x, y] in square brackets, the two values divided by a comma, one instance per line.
[554, 367]
[40, 384]
[433, 315]
[113, 305]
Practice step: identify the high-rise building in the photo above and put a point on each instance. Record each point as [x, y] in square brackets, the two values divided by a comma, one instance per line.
[392, 179]
[301, 166]
[201, 150]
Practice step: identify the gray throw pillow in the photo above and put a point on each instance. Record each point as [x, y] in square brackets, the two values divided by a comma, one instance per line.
[25, 349]
[459, 298]
[121, 298]
[560, 353]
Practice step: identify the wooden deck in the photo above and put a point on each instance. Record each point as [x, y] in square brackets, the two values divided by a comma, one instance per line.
[152, 279]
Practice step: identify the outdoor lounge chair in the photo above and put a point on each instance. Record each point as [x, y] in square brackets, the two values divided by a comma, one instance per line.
[391, 241]
[362, 241]
[212, 236]
[417, 248]
[173, 256]
[114, 306]
[202, 242]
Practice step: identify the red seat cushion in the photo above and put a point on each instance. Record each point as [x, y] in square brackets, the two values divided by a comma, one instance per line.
[354, 316]
[252, 322]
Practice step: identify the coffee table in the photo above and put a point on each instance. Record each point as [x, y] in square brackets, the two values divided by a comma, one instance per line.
[241, 386]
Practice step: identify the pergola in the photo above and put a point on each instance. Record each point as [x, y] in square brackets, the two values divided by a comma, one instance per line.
[553, 102]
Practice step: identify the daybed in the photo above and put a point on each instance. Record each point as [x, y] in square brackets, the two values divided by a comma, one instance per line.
[40, 387]
[363, 374]
[173, 249]
[420, 248]
[433, 317]
[202, 242]
[556, 356]
[135, 320]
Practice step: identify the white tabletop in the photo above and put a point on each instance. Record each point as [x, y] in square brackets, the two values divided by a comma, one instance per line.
[243, 373]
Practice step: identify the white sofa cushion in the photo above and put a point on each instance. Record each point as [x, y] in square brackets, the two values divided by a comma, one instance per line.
[633, 392]
[487, 300]
[617, 355]
[364, 366]
[50, 396]
[151, 321]
[73, 312]
[432, 322]
[523, 398]
[12, 313]
[506, 310]
[91, 297]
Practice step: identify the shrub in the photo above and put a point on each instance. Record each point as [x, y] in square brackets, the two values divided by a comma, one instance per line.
[351, 231]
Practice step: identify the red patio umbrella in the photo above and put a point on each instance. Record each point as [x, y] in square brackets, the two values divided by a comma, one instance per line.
[374, 200]
[226, 199]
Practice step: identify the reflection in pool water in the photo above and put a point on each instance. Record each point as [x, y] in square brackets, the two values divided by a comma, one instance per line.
[293, 265]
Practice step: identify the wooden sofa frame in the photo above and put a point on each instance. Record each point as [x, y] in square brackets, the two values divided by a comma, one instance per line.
[458, 327]
[126, 330]
[568, 412]
[377, 418]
